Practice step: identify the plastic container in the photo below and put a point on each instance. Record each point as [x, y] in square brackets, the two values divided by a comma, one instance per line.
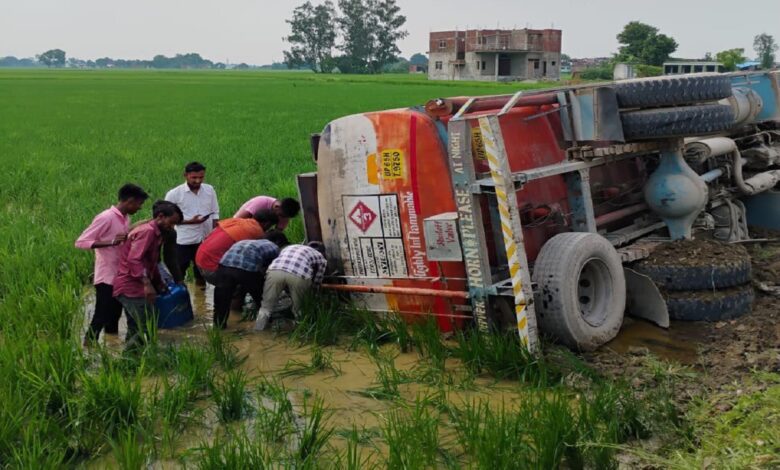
[174, 307]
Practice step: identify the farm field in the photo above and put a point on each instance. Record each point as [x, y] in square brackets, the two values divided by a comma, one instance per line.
[339, 390]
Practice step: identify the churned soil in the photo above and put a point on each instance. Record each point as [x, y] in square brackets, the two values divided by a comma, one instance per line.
[696, 253]
[728, 351]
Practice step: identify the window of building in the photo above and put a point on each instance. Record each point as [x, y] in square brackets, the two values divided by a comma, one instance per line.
[536, 64]
[698, 68]
[478, 64]
[483, 40]
[442, 44]
[710, 68]
[438, 65]
[483, 65]
[552, 63]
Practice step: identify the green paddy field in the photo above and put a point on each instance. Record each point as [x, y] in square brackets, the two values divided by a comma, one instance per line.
[339, 390]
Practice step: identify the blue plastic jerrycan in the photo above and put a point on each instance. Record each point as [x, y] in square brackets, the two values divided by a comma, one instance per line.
[174, 308]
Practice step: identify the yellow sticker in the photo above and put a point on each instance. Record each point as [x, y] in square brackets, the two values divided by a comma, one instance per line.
[393, 164]
[372, 172]
[477, 144]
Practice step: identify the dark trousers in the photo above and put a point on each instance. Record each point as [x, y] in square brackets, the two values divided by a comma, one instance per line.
[139, 313]
[108, 310]
[226, 281]
[186, 255]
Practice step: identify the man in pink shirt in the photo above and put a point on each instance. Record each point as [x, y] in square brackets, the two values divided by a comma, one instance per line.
[138, 280]
[285, 209]
[104, 235]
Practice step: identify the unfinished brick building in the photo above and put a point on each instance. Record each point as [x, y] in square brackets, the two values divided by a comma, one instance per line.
[495, 54]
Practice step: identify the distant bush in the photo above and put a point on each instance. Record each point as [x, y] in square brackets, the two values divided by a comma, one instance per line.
[648, 70]
[602, 72]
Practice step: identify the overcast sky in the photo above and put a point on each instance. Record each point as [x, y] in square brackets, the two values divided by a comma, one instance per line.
[251, 30]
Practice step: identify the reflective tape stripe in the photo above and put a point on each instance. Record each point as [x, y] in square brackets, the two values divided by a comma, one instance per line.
[515, 268]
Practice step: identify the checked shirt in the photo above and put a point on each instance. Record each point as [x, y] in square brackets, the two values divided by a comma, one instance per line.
[250, 255]
[302, 261]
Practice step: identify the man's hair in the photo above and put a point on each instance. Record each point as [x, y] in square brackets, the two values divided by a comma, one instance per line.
[290, 207]
[194, 167]
[166, 208]
[319, 246]
[277, 237]
[132, 191]
[265, 217]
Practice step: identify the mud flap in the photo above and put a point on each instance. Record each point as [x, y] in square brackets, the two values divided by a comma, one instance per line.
[644, 300]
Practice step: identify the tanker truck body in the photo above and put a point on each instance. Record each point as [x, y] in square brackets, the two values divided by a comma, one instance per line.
[528, 211]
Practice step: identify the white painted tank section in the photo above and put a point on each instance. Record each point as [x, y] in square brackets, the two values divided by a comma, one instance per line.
[342, 169]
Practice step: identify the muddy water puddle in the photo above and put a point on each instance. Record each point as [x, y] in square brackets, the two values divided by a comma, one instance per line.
[680, 342]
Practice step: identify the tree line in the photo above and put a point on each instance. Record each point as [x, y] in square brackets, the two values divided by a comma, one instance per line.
[644, 46]
[58, 58]
[365, 32]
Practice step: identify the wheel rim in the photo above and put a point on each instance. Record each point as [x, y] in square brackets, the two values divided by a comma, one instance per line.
[594, 291]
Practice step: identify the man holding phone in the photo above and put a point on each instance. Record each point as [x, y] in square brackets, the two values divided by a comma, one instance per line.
[198, 201]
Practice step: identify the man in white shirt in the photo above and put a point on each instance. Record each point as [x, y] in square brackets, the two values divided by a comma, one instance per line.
[198, 201]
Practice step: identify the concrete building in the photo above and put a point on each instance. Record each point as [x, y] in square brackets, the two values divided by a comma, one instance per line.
[495, 54]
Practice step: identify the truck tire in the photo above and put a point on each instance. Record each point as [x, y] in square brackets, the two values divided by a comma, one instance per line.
[718, 275]
[581, 290]
[672, 90]
[677, 122]
[710, 306]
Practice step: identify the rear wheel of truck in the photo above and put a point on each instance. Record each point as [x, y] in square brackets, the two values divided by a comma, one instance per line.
[672, 90]
[581, 290]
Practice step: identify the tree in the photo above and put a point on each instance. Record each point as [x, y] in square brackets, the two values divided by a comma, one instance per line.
[765, 46]
[358, 26]
[312, 37]
[52, 58]
[731, 57]
[419, 59]
[708, 56]
[389, 22]
[642, 43]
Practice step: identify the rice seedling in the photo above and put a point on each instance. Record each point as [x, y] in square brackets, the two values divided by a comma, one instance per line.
[320, 361]
[368, 329]
[427, 338]
[388, 378]
[400, 328]
[353, 458]
[412, 436]
[194, 368]
[322, 321]
[111, 401]
[275, 417]
[230, 395]
[33, 451]
[503, 357]
[315, 432]
[130, 451]
[234, 451]
[222, 351]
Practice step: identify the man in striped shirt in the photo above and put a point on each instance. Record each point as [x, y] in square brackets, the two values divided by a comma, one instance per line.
[297, 269]
[244, 264]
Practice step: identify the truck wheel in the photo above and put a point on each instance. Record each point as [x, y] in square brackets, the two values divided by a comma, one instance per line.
[677, 122]
[672, 90]
[581, 290]
[710, 306]
[718, 275]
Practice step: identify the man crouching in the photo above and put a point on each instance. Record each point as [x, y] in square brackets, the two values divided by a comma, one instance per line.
[138, 280]
[297, 269]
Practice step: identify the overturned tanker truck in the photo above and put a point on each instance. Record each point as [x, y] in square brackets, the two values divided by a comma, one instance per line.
[539, 211]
